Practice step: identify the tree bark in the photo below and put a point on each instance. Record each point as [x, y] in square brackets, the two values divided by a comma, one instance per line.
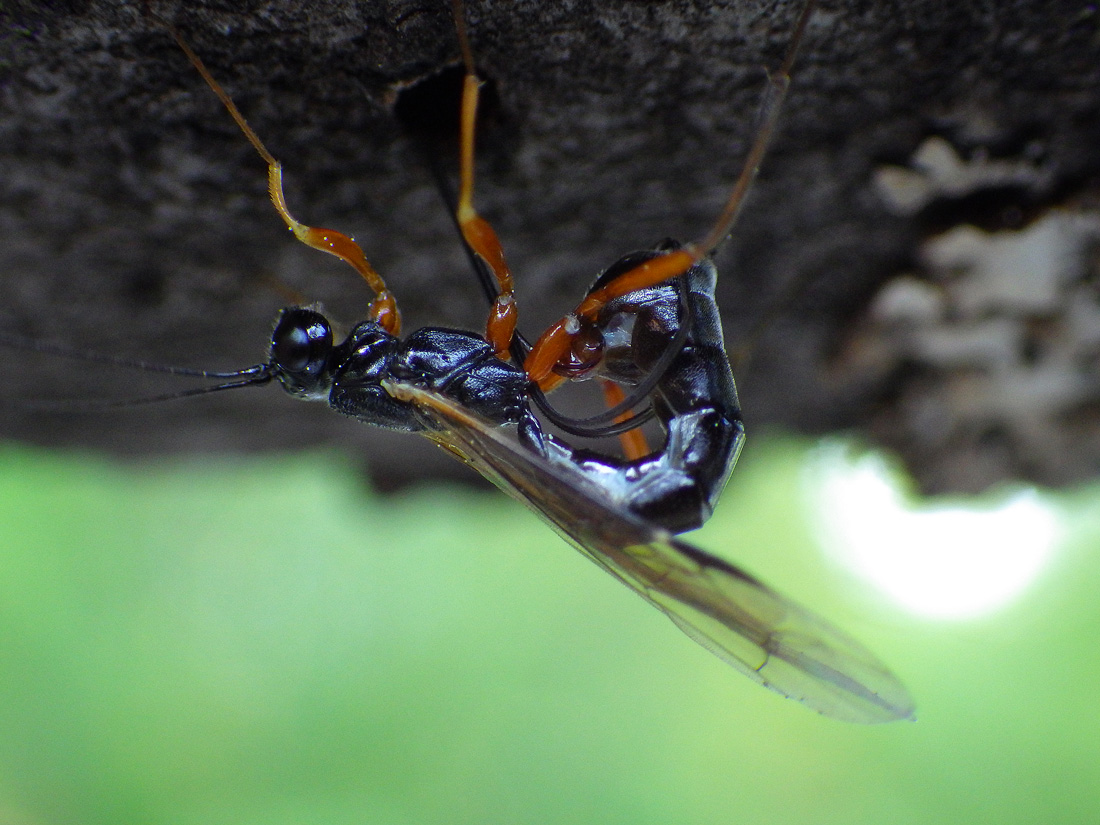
[134, 218]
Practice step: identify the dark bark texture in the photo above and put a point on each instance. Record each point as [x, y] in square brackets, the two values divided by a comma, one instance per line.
[920, 249]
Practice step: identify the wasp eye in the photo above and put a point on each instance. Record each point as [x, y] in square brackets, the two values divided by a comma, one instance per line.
[301, 342]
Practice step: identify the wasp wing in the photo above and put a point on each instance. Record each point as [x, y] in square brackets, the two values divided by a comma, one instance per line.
[767, 637]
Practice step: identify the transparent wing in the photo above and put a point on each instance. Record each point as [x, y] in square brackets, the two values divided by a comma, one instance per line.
[767, 637]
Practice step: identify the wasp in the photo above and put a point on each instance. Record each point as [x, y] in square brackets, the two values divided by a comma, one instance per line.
[648, 330]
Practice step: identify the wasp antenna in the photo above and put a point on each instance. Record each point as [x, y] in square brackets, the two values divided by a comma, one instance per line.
[19, 342]
[383, 308]
[252, 376]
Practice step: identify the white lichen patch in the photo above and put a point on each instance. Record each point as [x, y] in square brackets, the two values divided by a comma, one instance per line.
[1023, 272]
[936, 170]
[997, 341]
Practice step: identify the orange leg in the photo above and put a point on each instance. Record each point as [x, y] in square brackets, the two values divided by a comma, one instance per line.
[383, 308]
[479, 235]
[633, 441]
[553, 346]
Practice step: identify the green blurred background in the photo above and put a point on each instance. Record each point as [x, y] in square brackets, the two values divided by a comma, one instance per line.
[266, 641]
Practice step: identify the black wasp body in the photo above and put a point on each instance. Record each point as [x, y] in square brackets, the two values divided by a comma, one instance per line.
[694, 398]
[648, 330]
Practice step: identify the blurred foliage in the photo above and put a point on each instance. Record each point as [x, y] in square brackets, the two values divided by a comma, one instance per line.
[268, 642]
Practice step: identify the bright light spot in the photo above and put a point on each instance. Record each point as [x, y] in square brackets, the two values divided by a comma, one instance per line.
[942, 561]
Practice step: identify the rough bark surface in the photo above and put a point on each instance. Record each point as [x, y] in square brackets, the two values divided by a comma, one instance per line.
[134, 220]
